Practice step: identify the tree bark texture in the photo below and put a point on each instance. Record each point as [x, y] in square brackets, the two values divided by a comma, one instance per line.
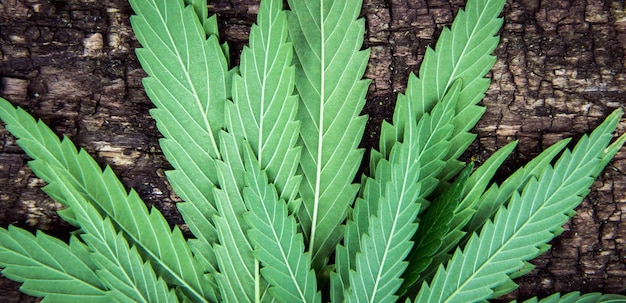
[560, 71]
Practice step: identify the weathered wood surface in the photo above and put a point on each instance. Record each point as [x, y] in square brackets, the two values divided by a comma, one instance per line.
[560, 70]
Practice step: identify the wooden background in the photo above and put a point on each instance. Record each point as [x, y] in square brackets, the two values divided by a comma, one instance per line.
[560, 71]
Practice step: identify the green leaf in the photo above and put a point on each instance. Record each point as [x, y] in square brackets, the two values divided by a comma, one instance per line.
[427, 143]
[575, 297]
[462, 56]
[476, 184]
[481, 178]
[405, 179]
[149, 231]
[434, 224]
[278, 245]
[263, 114]
[120, 267]
[237, 278]
[520, 230]
[478, 206]
[264, 108]
[50, 268]
[464, 211]
[327, 38]
[462, 53]
[209, 23]
[489, 202]
[189, 83]
[377, 273]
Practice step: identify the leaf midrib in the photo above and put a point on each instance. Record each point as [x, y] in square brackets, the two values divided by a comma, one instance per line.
[320, 134]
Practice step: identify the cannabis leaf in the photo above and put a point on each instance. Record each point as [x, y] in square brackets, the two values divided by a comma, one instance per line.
[478, 205]
[411, 166]
[189, 83]
[489, 201]
[329, 66]
[461, 53]
[263, 95]
[443, 140]
[149, 231]
[237, 277]
[264, 108]
[261, 114]
[120, 267]
[49, 267]
[527, 223]
[435, 222]
[279, 246]
[264, 156]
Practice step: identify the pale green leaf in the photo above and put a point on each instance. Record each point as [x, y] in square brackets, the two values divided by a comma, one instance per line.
[50, 268]
[328, 37]
[209, 23]
[462, 53]
[405, 178]
[278, 245]
[263, 114]
[520, 230]
[120, 267]
[425, 144]
[462, 56]
[378, 265]
[237, 277]
[264, 108]
[167, 250]
[189, 83]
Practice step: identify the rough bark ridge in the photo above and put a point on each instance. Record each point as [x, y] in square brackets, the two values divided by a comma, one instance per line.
[560, 70]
